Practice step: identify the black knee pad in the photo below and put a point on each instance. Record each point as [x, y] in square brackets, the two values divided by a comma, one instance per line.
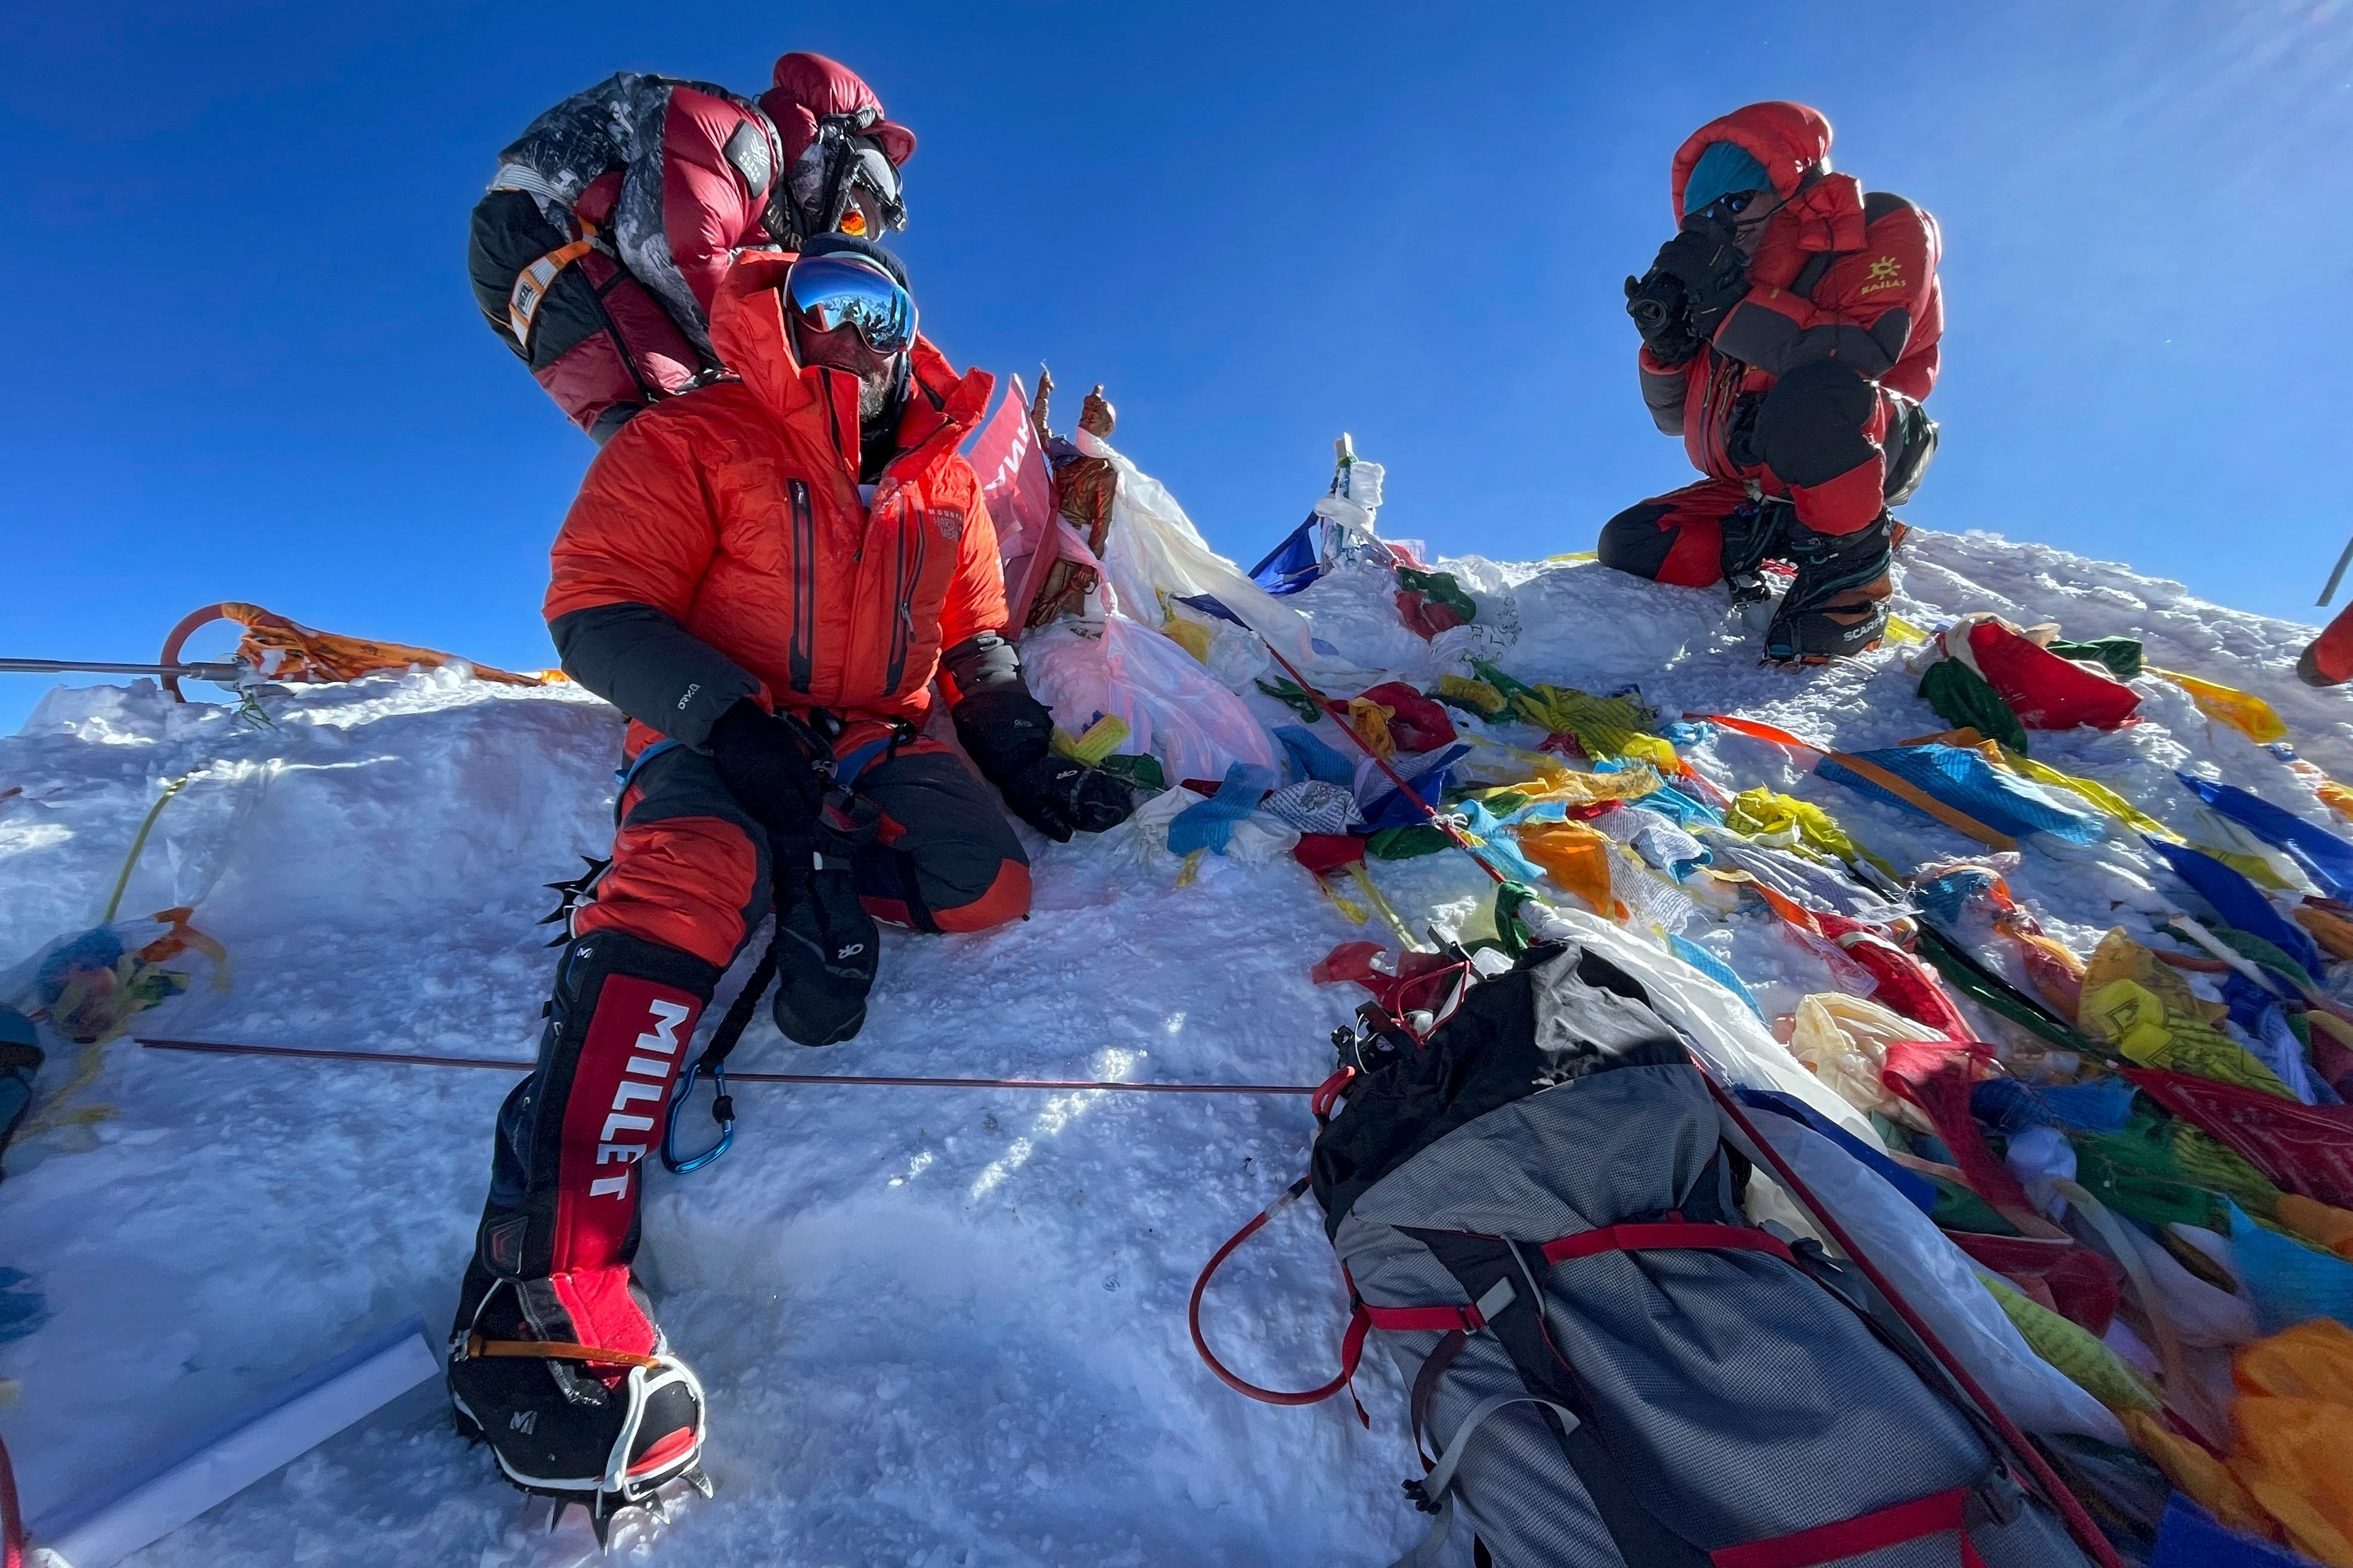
[1809, 423]
[1633, 541]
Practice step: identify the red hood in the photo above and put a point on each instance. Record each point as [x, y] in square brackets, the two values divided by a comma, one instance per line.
[1823, 212]
[809, 86]
[747, 329]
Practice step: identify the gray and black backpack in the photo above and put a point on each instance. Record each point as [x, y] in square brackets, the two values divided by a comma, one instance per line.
[1537, 1209]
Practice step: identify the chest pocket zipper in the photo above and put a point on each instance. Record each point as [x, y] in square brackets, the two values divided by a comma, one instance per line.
[799, 659]
[902, 625]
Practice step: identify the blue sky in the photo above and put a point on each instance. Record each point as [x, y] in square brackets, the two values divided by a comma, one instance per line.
[246, 364]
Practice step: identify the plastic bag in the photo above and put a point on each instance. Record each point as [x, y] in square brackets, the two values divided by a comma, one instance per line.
[1154, 555]
[1172, 707]
[1844, 1039]
[88, 986]
[1734, 1043]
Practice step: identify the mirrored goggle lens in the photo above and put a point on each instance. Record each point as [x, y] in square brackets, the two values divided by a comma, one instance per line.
[833, 291]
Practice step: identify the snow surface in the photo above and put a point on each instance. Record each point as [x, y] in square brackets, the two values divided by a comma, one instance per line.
[938, 1326]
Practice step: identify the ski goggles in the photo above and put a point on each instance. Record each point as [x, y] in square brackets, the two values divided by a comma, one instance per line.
[840, 162]
[826, 293]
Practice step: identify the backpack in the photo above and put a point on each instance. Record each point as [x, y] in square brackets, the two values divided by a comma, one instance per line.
[1538, 1209]
[570, 253]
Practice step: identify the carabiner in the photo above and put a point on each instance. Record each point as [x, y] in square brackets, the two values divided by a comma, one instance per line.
[723, 1112]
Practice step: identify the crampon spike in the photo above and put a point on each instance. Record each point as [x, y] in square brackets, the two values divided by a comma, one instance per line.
[572, 894]
[700, 1482]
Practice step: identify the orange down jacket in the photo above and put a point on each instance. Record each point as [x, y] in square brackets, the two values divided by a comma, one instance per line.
[733, 512]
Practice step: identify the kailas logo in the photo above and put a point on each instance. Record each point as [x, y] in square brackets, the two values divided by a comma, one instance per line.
[1885, 273]
[523, 1421]
[951, 521]
[852, 951]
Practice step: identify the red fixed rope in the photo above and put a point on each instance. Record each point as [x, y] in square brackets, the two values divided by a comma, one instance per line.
[240, 1048]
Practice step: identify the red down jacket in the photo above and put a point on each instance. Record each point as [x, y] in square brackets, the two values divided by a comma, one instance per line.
[731, 514]
[1837, 275]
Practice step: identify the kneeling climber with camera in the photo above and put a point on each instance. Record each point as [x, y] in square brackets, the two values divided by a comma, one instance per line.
[1789, 334]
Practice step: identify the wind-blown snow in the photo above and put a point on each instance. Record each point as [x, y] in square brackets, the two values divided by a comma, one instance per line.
[938, 1326]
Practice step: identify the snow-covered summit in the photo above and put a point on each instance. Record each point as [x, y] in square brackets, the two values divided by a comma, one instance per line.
[937, 1326]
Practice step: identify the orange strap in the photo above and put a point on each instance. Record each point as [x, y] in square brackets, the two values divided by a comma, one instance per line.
[478, 1347]
[531, 284]
[1958, 820]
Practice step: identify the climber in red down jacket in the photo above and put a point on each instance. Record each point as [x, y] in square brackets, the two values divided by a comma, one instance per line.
[767, 574]
[612, 218]
[1789, 334]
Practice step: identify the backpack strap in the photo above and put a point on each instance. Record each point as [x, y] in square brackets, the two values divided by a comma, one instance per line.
[1434, 1493]
[1931, 1515]
[1810, 274]
[531, 284]
[1675, 1231]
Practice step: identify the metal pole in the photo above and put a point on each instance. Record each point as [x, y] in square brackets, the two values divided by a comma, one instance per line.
[2336, 577]
[226, 674]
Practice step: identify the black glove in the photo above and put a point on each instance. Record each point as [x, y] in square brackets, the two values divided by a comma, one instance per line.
[1007, 731]
[827, 946]
[777, 768]
[1715, 278]
[1059, 795]
[1662, 312]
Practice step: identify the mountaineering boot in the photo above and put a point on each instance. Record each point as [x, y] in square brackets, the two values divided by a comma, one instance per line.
[1753, 534]
[827, 946]
[554, 1359]
[604, 1429]
[1838, 605]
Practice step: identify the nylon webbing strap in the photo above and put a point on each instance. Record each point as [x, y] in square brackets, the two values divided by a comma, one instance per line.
[531, 284]
[1640, 1237]
[1930, 1515]
[1911, 794]
[1440, 1319]
[1437, 1486]
[478, 1347]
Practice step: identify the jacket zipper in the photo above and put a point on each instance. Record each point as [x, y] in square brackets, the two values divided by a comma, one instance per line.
[804, 586]
[902, 626]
